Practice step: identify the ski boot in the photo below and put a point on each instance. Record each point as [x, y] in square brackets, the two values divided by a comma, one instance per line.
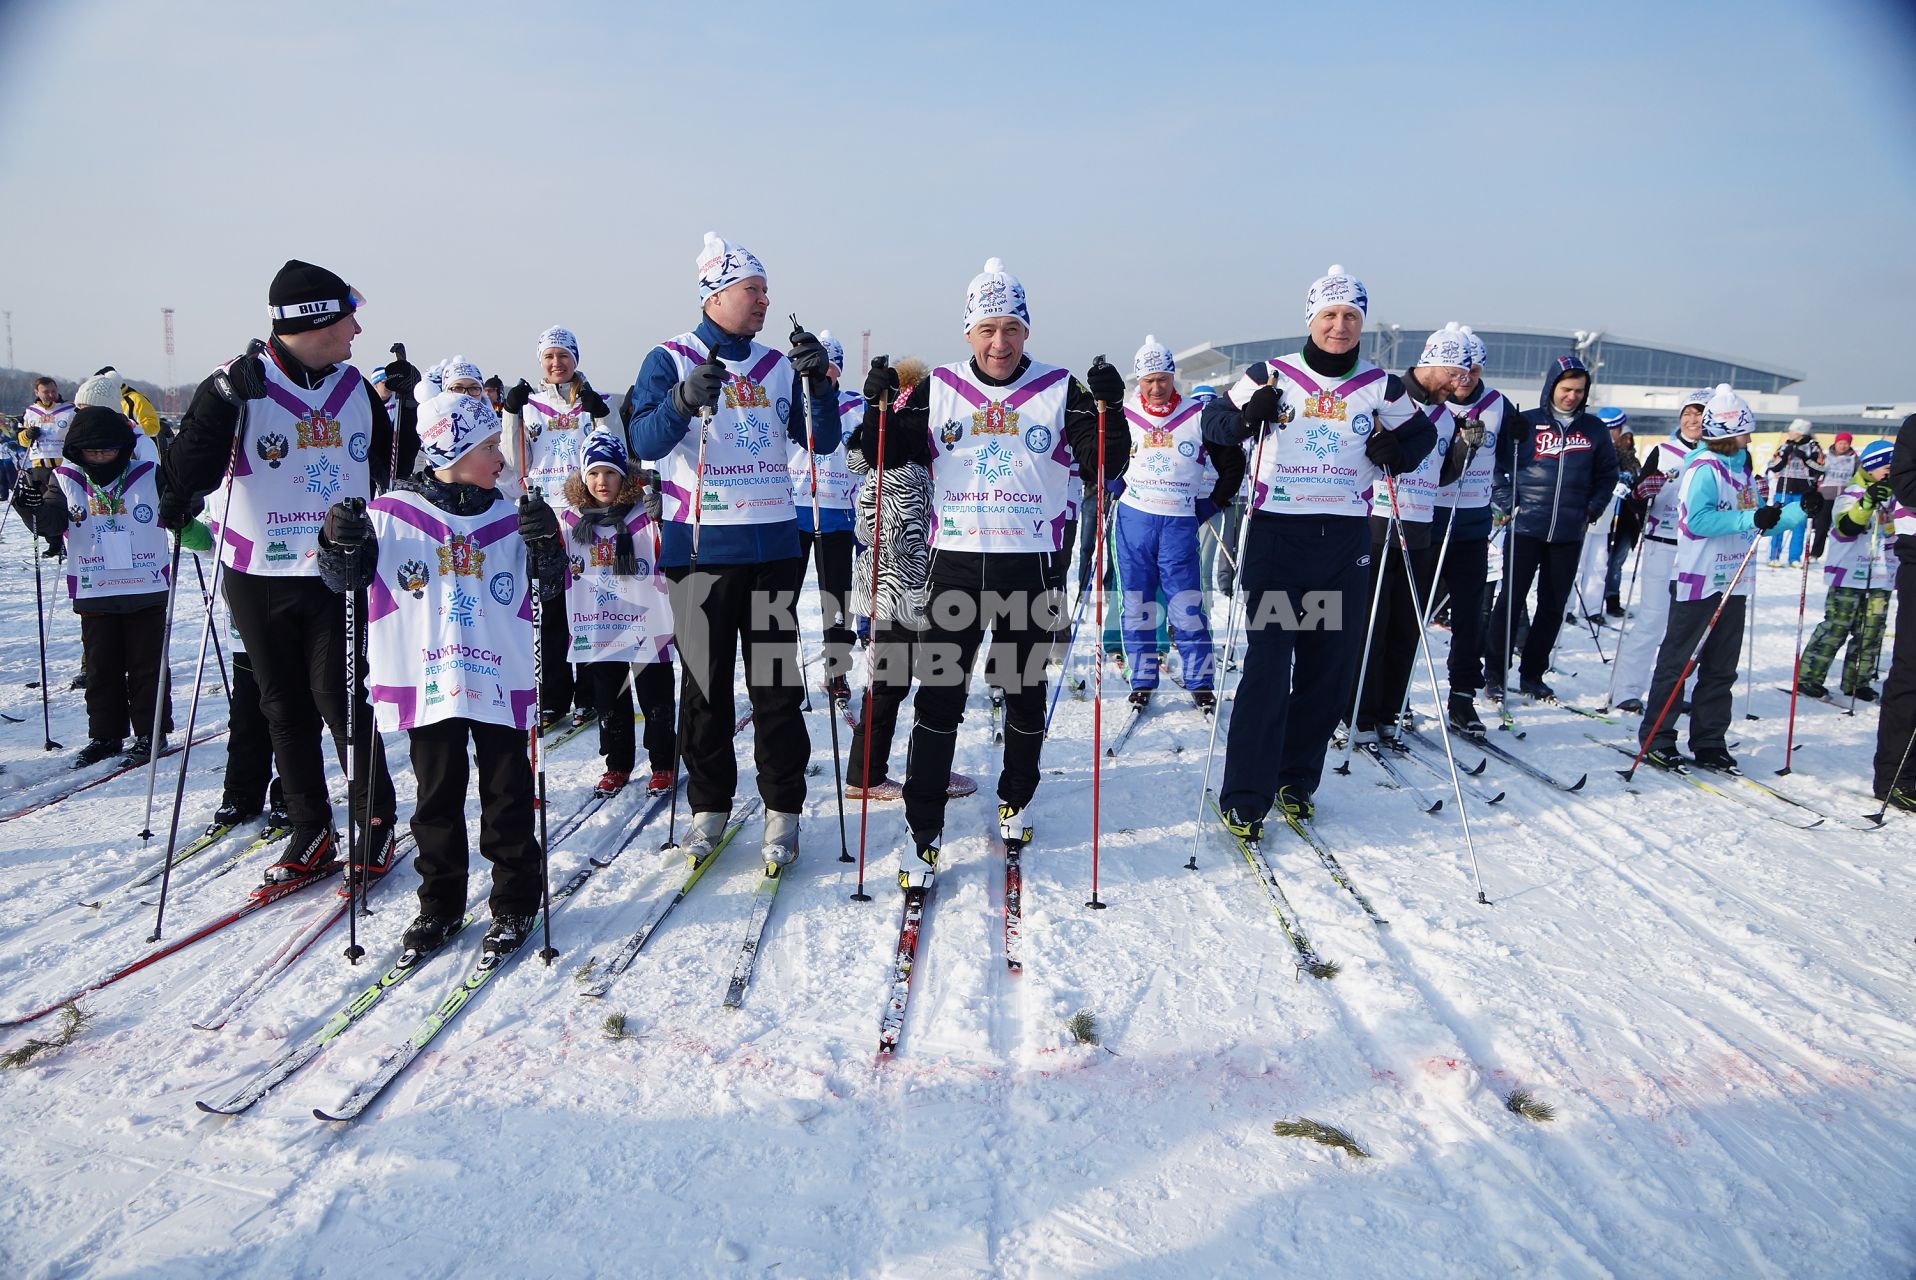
[507, 935]
[781, 841]
[613, 781]
[886, 790]
[1667, 759]
[916, 870]
[79, 682]
[1715, 758]
[95, 751]
[1140, 699]
[957, 786]
[378, 846]
[1205, 699]
[1011, 827]
[1462, 714]
[1249, 830]
[311, 850]
[230, 814]
[428, 932]
[1903, 798]
[1630, 706]
[659, 783]
[1810, 689]
[1296, 803]
[140, 752]
[1863, 693]
[707, 829]
[1536, 690]
[1613, 605]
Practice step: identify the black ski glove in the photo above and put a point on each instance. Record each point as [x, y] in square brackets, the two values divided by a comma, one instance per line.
[347, 525]
[537, 523]
[244, 378]
[700, 390]
[402, 379]
[881, 384]
[1386, 450]
[1474, 434]
[1766, 518]
[30, 434]
[1878, 494]
[808, 356]
[33, 488]
[594, 402]
[1813, 503]
[177, 510]
[515, 400]
[1104, 382]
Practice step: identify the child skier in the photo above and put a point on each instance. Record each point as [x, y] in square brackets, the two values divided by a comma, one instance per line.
[117, 576]
[1859, 576]
[1718, 518]
[618, 613]
[449, 568]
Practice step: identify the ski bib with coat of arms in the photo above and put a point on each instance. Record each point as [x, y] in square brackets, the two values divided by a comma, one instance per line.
[747, 450]
[115, 546]
[449, 616]
[554, 435]
[1471, 490]
[303, 451]
[51, 445]
[1704, 566]
[1001, 477]
[837, 486]
[1417, 490]
[615, 617]
[1170, 469]
[1315, 464]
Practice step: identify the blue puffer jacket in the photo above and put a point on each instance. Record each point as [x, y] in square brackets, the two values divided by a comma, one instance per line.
[1561, 478]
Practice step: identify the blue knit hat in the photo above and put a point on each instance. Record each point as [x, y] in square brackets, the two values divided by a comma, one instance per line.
[602, 449]
[1877, 453]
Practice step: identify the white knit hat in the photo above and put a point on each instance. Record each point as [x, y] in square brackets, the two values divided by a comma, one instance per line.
[994, 292]
[1698, 398]
[1336, 288]
[1447, 347]
[101, 390]
[834, 349]
[723, 264]
[560, 338]
[1479, 353]
[452, 425]
[1153, 357]
[1727, 414]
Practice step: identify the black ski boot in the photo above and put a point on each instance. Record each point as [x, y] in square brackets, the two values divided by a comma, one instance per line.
[1296, 803]
[1205, 699]
[1140, 699]
[1249, 829]
[231, 815]
[1715, 758]
[1666, 759]
[1463, 715]
[310, 850]
[428, 932]
[79, 682]
[95, 751]
[507, 934]
[141, 752]
[1536, 690]
[1633, 706]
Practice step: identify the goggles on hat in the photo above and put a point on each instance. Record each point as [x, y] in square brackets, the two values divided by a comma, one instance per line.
[353, 301]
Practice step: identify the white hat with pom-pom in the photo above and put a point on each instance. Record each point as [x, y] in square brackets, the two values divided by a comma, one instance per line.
[1153, 357]
[994, 292]
[1336, 288]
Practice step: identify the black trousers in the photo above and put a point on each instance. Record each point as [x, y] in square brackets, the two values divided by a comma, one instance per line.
[506, 839]
[608, 687]
[957, 617]
[1712, 699]
[122, 655]
[1461, 579]
[249, 744]
[1897, 720]
[557, 687]
[295, 635]
[891, 657]
[718, 615]
[1394, 651]
[831, 553]
[1553, 566]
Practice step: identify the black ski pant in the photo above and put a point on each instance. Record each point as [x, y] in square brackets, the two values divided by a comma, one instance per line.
[557, 687]
[717, 615]
[609, 688]
[1303, 582]
[1461, 580]
[1897, 722]
[892, 647]
[506, 840]
[1393, 648]
[122, 655]
[1021, 623]
[294, 630]
[1715, 692]
[831, 553]
[249, 745]
[1553, 566]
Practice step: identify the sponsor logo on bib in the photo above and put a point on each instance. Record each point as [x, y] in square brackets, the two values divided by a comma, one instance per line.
[358, 446]
[1038, 439]
[143, 513]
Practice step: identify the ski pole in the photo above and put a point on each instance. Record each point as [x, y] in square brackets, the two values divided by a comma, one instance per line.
[1436, 695]
[537, 587]
[1429, 610]
[1230, 634]
[878, 542]
[398, 350]
[1097, 698]
[1363, 665]
[355, 871]
[40, 625]
[818, 541]
[254, 350]
[160, 692]
[691, 597]
[219, 654]
[1883, 808]
[1690, 664]
[1623, 623]
[1796, 672]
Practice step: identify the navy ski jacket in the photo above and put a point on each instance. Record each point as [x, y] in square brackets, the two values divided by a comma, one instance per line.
[1561, 478]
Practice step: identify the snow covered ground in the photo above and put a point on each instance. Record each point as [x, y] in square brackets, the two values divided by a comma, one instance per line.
[1718, 1007]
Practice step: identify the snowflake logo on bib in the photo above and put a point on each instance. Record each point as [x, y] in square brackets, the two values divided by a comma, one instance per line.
[1187, 449]
[603, 596]
[272, 448]
[1320, 442]
[742, 393]
[995, 420]
[993, 461]
[412, 577]
[317, 431]
[460, 610]
[322, 479]
[1156, 463]
[461, 558]
[1325, 404]
[754, 434]
[1361, 424]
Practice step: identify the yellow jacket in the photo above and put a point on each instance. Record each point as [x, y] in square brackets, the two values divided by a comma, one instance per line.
[141, 410]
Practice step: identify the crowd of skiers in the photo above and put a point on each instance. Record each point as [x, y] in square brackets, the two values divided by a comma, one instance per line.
[437, 553]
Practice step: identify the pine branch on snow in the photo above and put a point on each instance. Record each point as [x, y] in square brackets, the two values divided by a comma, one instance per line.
[1525, 1104]
[1324, 1134]
[1083, 1027]
[614, 1026]
[73, 1020]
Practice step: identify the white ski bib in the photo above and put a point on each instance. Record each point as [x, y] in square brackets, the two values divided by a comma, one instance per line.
[1000, 463]
[1314, 463]
[1170, 469]
[303, 451]
[115, 546]
[1471, 490]
[1704, 566]
[554, 436]
[615, 617]
[747, 470]
[53, 424]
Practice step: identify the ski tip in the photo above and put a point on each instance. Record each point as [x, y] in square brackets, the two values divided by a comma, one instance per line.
[1438, 807]
[1496, 799]
[318, 1114]
[211, 1110]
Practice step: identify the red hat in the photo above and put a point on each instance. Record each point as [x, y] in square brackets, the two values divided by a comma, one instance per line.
[1843, 437]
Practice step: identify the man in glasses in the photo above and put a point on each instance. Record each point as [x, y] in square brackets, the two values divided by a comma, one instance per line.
[315, 433]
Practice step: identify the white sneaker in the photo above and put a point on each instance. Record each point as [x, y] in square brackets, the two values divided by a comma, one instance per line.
[917, 865]
[781, 841]
[701, 837]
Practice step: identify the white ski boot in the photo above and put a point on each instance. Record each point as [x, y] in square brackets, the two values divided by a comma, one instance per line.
[703, 836]
[1012, 828]
[918, 863]
[781, 841]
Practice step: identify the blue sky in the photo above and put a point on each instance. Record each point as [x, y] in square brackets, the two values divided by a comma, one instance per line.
[1733, 178]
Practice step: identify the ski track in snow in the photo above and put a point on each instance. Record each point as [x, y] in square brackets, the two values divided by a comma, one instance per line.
[1719, 1008]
